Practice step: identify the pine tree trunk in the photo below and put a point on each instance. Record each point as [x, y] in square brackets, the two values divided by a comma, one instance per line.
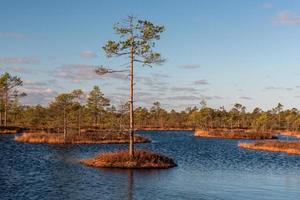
[131, 127]
[65, 125]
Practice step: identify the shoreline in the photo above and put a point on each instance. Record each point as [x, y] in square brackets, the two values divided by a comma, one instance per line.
[273, 146]
[10, 130]
[234, 134]
[165, 129]
[112, 138]
[295, 134]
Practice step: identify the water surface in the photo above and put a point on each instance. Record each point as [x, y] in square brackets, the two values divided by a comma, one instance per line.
[208, 169]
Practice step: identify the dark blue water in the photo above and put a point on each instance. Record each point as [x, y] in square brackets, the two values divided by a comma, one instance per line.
[207, 169]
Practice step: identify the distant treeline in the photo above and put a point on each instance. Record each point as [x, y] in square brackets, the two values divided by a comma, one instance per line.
[75, 111]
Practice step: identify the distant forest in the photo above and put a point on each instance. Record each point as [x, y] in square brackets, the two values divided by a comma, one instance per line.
[74, 110]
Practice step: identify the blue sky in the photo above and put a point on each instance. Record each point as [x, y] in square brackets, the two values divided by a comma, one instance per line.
[222, 51]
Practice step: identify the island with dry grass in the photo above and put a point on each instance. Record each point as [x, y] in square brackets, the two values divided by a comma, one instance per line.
[121, 159]
[290, 147]
[83, 138]
[235, 134]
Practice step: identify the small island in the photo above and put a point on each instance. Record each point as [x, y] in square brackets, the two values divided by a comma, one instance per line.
[83, 138]
[290, 147]
[122, 159]
[234, 134]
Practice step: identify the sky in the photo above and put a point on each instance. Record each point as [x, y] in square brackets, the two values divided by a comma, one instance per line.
[223, 51]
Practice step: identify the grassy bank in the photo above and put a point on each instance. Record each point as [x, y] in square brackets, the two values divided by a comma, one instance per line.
[234, 134]
[291, 133]
[275, 146]
[165, 129]
[121, 159]
[84, 138]
[10, 130]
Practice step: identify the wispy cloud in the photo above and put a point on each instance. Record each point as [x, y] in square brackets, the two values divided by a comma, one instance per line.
[88, 54]
[182, 98]
[79, 72]
[76, 72]
[16, 69]
[216, 97]
[13, 35]
[183, 89]
[278, 88]
[190, 66]
[153, 81]
[38, 95]
[201, 82]
[39, 91]
[287, 17]
[35, 83]
[245, 98]
[19, 60]
[267, 5]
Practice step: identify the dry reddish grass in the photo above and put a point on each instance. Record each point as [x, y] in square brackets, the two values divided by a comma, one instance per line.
[121, 159]
[275, 146]
[234, 134]
[291, 133]
[8, 131]
[164, 129]
[85, 138]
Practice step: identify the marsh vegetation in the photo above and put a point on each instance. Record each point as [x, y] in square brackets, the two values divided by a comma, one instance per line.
[291, 147]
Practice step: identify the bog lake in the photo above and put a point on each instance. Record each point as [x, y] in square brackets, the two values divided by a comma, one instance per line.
[208, 169]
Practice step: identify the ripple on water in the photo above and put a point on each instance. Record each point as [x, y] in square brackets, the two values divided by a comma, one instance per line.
[208, 169]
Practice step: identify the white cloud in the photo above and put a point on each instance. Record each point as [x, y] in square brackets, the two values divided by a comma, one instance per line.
[246, 98]
[88, 54]
[38, 95]
[201, 82]
[190, 66]
[19, 60]
[183, 89]
[16, 69]
[182, 98]
[278, 88]
[34, 83]
[78, 72]
[287, 17]
[13, 35]
[267, 5]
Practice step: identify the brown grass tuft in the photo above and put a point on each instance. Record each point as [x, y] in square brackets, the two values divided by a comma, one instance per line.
[275, 146]
[85, 138]
[234, 134]
[291, 133]
[121, 159]
[8, 131]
